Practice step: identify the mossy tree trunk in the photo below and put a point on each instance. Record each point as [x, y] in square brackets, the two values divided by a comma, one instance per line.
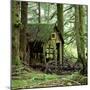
[82, 27]
[15, 32]
[23, 41]
[79, 30]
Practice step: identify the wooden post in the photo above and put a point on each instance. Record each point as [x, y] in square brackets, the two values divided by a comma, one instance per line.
[55, 57]
[44, 54]
[60, 53]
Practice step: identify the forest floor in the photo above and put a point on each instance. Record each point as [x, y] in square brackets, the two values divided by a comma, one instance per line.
[37, 79]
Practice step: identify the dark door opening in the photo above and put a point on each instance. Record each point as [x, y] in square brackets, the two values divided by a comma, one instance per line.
[36, 52]
[58, 51]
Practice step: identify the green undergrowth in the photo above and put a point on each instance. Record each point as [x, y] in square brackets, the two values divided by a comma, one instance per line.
[33, 79]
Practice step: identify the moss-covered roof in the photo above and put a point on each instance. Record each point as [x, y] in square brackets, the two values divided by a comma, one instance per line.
[40, 32]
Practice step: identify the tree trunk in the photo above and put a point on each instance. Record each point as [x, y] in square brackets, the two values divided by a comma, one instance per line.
[39, 14]
[79, 30]
[82, 39]
[23, 41]
[60, 17]
[60, 23]
[15, 32]
[48, 12]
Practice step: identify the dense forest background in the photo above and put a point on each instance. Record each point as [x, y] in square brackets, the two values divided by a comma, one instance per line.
[72, 23]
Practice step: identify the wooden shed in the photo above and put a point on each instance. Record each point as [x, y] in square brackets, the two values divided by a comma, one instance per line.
[44, 43]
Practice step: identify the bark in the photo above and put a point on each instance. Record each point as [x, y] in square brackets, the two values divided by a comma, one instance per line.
[15, 32]
[60, 17]
[60, 23]
[48, 12]
[82, 27]
[79, 31]
[39, 14]
[23, 41]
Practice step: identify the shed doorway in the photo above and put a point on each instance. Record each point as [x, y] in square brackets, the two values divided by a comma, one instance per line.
[58, 52]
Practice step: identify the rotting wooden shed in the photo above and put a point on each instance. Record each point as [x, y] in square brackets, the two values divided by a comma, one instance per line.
[44, 43]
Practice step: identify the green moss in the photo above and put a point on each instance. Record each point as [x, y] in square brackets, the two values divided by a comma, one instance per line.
[17, 63]
[35, 79]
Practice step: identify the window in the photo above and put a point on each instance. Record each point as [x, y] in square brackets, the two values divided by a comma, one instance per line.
[53, 35]
[50, 52]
